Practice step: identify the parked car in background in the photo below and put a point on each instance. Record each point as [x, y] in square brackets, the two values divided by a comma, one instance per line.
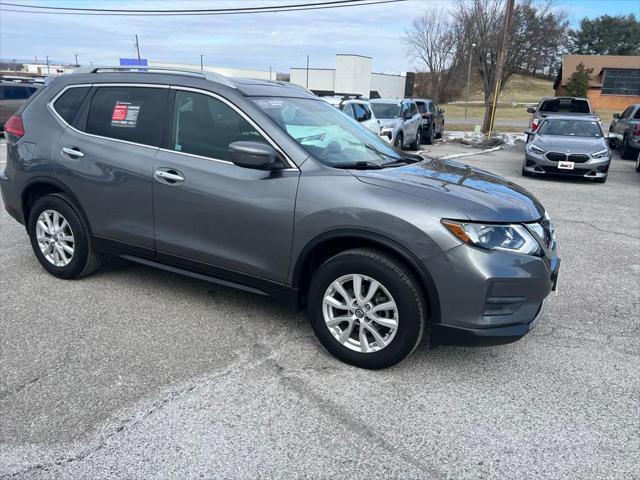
[572, 106]
[568, 145]
[432, 120]
[267, 188]
[624, 132]
[12, 96]
[357, 108]
[400, 122]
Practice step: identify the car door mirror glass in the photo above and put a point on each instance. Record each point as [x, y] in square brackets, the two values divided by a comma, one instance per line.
[616, 115]
[257, 155]
[531, 110]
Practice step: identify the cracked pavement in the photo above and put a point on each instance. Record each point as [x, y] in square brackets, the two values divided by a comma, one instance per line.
[139, 373]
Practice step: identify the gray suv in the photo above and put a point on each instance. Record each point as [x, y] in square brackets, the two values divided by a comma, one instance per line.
[265, 187]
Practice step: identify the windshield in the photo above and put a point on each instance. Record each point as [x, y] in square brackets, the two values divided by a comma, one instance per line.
[575, 128]
[329, 135]
[386, 110]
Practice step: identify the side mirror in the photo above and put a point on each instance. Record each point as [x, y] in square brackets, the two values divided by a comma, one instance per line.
[531, 110]
[407, 116]
[257, 155]
[616, 115]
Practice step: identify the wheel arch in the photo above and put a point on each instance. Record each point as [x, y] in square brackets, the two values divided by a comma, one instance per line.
[329, 244]
[41, 186]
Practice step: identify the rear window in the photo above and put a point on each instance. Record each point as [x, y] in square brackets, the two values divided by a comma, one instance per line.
[564, 105]
[133, 114]
[10, 92]
[68, 104]
[570, 128]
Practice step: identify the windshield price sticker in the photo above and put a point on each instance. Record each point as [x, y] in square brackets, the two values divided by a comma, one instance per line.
[125, 115]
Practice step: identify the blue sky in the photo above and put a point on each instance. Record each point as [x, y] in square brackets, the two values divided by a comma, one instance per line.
[279, 40]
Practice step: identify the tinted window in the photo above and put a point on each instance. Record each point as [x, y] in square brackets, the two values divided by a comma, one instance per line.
[637, 115]
[626, 113]
[68, 104]
[127, 113]
[203, 125]
[421, 107]
[571, 105]
[16, 93]
[362, 112]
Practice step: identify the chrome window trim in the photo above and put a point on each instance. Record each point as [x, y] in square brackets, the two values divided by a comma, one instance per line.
[292, 165]
[78, 85]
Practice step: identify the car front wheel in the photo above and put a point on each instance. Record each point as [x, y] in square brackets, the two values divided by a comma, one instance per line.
[366, 308]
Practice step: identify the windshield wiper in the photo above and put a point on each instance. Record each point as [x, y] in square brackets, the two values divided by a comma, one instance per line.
[358, 165]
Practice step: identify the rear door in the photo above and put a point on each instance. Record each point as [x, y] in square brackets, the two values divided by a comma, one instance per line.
[218, 217]
[106, 158]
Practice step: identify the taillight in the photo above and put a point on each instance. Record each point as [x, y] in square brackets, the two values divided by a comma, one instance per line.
[636, 130]
[14, 126]
[534, 124]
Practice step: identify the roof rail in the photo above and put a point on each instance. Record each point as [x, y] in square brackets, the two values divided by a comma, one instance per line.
[214, 77]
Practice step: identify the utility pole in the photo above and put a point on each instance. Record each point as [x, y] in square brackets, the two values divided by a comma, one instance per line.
[77, 60]
[15, 69]
[473, 45]
[307, 72]
[138, 48]
[48, 71]
[489, 115]
[201, 62]
[269, 73]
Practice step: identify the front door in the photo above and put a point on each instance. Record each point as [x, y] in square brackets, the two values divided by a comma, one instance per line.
[211, 212]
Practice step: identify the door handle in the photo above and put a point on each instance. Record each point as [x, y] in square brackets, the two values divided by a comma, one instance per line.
[72, 152]
[169, 176]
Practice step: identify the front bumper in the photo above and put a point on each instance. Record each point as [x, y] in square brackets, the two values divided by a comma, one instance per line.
[593, 168]
[489, 298]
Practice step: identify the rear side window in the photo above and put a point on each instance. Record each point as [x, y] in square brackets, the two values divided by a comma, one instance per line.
[205, 126]
[362, 112]
[16, 93]
[347, 109]
[68, 104]
[133, 114]
[637, 115]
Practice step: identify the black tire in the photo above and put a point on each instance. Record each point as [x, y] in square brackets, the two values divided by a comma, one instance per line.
[85, 260]
[415, 145]
[638, 163]
[428, 138]
[399, 141]
[400, 283]
[628, 152]
[438, 135]
[611, 141]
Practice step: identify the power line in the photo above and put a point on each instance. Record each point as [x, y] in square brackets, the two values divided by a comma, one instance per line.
[205, 12]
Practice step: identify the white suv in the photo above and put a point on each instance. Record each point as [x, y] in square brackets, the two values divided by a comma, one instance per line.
[358, 109]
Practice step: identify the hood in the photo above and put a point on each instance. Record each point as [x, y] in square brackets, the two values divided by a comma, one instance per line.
[388, 122]
[557, 143]
[480, 195]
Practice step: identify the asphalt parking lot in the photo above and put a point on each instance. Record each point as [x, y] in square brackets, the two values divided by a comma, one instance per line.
[139, 373]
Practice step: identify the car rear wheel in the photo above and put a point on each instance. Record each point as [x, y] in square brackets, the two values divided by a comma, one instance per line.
[638, 163]
[366, 308]
[428, 138]
[60, 238]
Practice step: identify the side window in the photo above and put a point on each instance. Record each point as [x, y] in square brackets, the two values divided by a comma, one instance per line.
[69, 102]
[15, 93]
[347, 109]
[421, 107]
[637, 115]
[362, 113]
[413, 109]
[626, 113]
[434, 108]
[205, 126]
[133, 114]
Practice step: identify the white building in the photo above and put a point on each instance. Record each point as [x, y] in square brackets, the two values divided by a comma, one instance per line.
[229, 72]
[45, 70]
[353, 75]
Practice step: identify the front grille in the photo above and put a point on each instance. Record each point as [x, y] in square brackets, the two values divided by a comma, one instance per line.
[556, 157]
[578, 157]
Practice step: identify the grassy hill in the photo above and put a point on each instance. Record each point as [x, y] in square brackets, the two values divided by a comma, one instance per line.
[519, 89]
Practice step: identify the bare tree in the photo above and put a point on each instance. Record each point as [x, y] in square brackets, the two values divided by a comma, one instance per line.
[432, 42]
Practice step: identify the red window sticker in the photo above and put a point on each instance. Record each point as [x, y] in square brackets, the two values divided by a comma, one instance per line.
[119, 112]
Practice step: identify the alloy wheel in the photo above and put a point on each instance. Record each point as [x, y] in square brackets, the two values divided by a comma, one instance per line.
[360, 313]
[55, 238]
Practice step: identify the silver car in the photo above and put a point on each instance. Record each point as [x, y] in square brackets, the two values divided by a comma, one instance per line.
[568, 145]
[400, 122]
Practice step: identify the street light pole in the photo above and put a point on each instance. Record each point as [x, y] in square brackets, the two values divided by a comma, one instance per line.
[466, 104]
[201, 62]
[77, 60]
[307, 72]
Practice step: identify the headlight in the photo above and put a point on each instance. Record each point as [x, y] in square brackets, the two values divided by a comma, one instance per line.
[535, 149]
[600, 154]
[511, 238]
